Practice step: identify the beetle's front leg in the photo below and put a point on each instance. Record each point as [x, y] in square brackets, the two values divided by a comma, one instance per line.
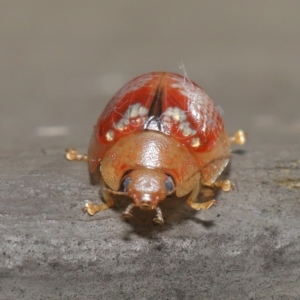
[93, 208]
[158, 219]
[193, 198]
[127, 212]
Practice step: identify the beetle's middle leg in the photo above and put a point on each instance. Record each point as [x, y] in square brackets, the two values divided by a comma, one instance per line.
[93, 208]
[193, 198]
[225, 185]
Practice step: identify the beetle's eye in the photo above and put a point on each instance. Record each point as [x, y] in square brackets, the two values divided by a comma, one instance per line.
[169, 184]
[125, 183]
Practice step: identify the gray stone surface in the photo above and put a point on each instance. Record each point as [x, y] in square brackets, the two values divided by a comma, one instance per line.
[60, 62]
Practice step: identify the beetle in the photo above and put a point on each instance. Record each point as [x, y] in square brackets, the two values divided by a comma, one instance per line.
[160, 134]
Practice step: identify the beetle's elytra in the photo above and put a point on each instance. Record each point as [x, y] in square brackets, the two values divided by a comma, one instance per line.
[160, 134]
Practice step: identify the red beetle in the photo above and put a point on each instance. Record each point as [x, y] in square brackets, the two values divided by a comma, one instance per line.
[159, 134]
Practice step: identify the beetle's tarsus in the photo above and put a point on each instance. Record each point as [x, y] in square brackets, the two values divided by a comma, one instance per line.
[204, 205]
[225, 185]
[91, 208]
[127, 212]
[158, 219]
[72, 154]
[196, 205]
[238, 138]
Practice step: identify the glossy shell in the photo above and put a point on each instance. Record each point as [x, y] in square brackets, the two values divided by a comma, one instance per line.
[178, 113]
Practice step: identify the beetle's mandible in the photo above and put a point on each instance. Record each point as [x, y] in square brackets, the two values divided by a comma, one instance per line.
[160, 134]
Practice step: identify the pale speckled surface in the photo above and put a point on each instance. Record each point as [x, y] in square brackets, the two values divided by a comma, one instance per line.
[60, 62]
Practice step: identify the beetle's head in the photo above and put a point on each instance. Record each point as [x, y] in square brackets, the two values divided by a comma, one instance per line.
[147, 187]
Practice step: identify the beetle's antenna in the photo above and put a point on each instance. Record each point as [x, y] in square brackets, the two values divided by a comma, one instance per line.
[115, 192]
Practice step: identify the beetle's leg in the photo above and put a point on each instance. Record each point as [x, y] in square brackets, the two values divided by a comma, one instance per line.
[225, 185]
[193, 198]
[127, 212]
[158, 219]
[72, 154]
[238, 138]
[92, 208]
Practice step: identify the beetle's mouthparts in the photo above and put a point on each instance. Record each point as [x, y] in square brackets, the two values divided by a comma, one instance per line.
[145, 202]
[145, 205]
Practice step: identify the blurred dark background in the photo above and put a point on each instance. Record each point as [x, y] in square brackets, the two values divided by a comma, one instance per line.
[61, 61]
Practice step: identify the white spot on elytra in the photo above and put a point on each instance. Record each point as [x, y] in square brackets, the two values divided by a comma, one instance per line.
[135, 111]
[109, 135]
[200, 106]
[143, 111]
[179, 116]
[176, 114]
